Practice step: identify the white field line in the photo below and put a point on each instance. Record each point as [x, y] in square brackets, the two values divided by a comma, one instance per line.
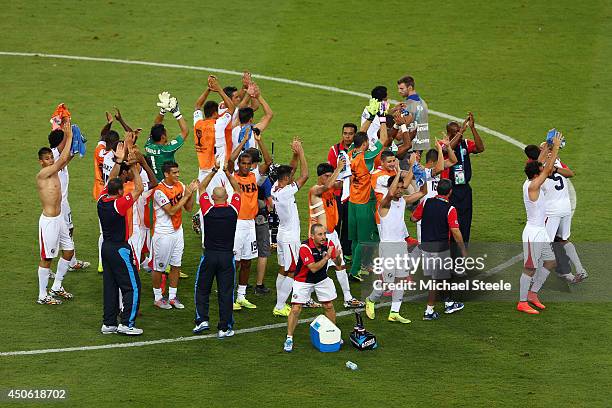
[334, 89]
[264, 77]
[490, 272]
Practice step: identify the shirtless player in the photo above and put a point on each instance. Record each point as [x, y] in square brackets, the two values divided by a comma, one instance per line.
[53, 232]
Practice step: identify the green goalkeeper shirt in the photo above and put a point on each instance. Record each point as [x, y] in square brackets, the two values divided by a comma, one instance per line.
[161, 153]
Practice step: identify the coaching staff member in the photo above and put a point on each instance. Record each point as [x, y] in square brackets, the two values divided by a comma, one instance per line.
[461, 173]
[219, 228]
[120, 270]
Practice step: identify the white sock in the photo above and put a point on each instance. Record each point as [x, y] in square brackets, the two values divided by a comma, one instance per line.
[343, 280]
[73, 260]
[157, 293]
[172, 292]
[284, 293]
[62, 270]
[43, 281]
[396, 300]
[570, 250]
[289, 337]
[525, 283]
[448, 304]
[430, 309]
[279, 285]
[241, 292]
[539, 278]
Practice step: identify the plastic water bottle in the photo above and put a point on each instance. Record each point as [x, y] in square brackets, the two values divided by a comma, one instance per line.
[351, 365]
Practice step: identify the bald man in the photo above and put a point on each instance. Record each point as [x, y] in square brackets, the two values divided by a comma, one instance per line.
[219, 227]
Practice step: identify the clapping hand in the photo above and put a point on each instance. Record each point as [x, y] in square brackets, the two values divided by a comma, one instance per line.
[109, 118]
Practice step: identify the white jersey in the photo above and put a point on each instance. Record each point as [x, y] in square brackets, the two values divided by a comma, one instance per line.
[557, 195]
[286, 209]
[63, 174]
[392, 226]
[163, 221]
[536, 210]
[432, 184]
[107, 165]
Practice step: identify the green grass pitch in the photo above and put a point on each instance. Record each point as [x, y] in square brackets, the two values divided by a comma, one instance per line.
[522, 67]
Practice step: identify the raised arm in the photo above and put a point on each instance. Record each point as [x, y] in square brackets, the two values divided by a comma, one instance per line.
[138, 186]
[268, 114]
[202, 99]
[536, 183]
[145, 166]
[385, 203]
[107, 126]
[477, 140]
[406, 144]
[120, 119]
[303, 166]
[64, 157]
[214, 86]
[263, 167]
[206, 180]
[236, 152]
[232, 180]
[119, 157]
[331, 181]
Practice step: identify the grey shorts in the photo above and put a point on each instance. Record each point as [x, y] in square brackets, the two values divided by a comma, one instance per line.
[262, 233]
[436, 265]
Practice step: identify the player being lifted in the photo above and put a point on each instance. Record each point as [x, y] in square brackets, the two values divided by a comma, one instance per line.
[323, 208]
[538, 255]
[288, 238]
[53, 232]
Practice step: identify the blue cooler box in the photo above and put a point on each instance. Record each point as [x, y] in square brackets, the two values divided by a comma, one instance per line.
[325, 335]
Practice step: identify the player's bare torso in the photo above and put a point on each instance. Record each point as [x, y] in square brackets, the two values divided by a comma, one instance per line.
[50, 193]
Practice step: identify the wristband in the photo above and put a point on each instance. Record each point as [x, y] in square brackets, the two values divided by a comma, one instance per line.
[382, 119]
[371, 118]
[162, 111]
[177, 115]
[214, 169]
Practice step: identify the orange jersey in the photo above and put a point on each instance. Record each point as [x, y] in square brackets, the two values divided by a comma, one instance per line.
[379, 192]
[204, 140]
[330, 209]
[228, 140]
[167, 195]
[248, 196]
[98, 157]
[361, 189]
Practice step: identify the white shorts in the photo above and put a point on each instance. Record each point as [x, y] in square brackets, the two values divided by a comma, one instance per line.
[167, 249]
[138, 240]
[333, 238]
[53, 235]
[536, 247]
[219, 180]
[245, 240]
[288, 254]
[391, 250]
[559, 226]
[325, 290]
[67, 214]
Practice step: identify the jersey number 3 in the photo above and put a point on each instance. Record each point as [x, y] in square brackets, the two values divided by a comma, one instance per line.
[559, 180]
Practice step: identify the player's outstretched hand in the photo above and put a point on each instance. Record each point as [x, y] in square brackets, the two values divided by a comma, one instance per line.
[164, 100]
[470, 120]
[120, 152]
[558, 139]
[246, 79]
[109, 117]
[373, 107]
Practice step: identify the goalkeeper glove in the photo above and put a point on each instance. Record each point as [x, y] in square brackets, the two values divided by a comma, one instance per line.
[372, 108]
[164, 100]
[174, 108]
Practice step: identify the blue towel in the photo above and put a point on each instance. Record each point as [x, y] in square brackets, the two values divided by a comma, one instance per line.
[419, 175]
[243, 133]
[78, 141]
[550, 136]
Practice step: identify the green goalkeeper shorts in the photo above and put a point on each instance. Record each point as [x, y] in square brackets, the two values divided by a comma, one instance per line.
[361, 222]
